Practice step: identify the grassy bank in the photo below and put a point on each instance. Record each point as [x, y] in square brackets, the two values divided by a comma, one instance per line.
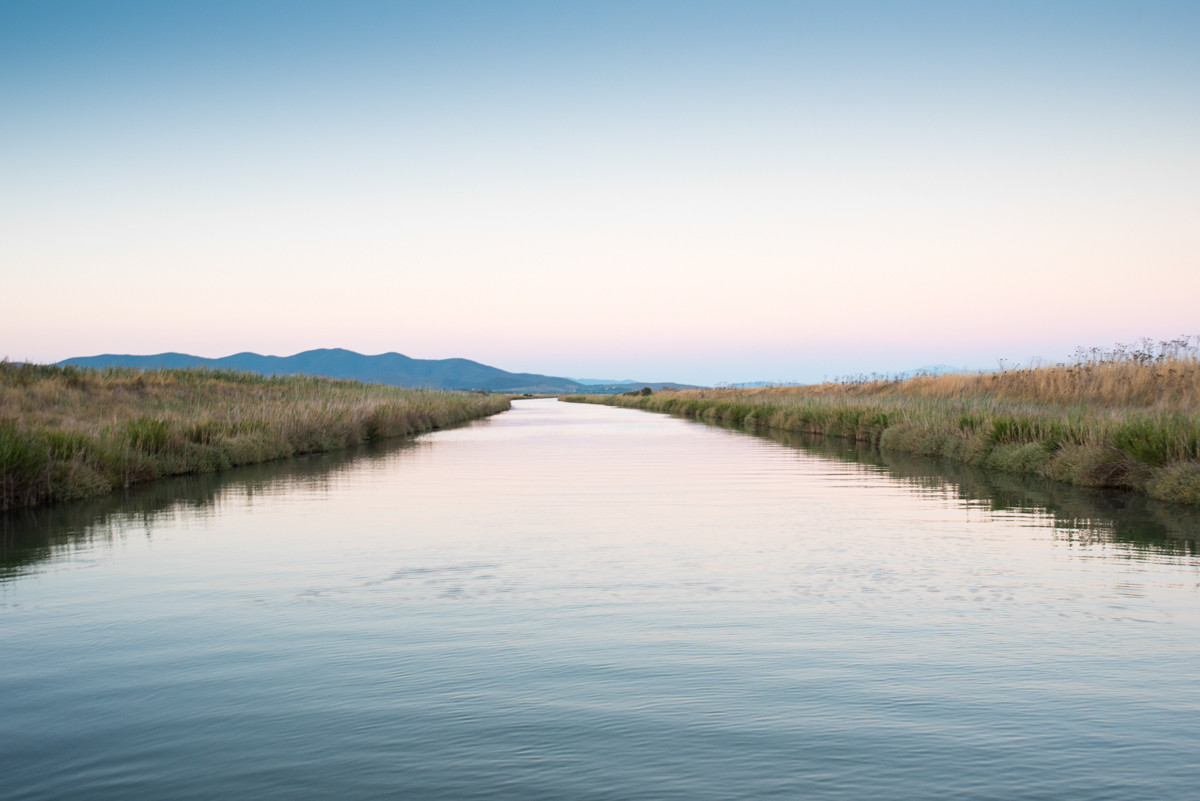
[67, 433]
[1129, 420]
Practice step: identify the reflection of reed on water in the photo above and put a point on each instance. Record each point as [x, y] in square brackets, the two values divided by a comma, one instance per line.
[30, 536]
[1077, 513]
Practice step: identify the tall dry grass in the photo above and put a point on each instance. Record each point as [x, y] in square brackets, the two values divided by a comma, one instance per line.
[1128, 420]
[1168, 386]
[69, 433]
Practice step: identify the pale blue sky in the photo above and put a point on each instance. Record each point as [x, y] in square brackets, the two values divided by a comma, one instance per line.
[692, 191]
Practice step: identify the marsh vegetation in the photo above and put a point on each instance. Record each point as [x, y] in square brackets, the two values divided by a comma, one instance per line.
[1127, 417]
[69, 433]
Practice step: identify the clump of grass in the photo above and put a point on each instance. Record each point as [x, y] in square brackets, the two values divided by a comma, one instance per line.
[69, 433]
[1177, 482]
[1128, 417]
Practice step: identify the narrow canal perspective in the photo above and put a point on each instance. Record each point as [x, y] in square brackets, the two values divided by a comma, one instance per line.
[570, 601]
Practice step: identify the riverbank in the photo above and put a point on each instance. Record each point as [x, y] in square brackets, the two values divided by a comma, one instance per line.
[68, 433]
[1131, 422]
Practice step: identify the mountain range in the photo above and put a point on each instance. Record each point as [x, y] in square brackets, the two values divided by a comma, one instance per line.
[386, 368]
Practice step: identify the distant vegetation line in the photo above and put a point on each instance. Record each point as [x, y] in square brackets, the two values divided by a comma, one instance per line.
[1128, 418]
[69, 433]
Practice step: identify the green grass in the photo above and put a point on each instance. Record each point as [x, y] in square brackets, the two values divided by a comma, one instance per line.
[1128, 423]
[67, 433]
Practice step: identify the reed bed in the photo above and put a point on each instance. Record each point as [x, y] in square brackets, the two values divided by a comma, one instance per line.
[1128, 420]
[69, 433]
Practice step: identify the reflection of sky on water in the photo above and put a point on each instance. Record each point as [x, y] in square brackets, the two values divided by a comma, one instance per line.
[566, 598]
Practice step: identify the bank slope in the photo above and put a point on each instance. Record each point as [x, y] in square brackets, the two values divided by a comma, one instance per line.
[1131, 423]
[70, 433]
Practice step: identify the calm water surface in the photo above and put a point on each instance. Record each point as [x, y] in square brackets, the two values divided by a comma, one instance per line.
[580, 602]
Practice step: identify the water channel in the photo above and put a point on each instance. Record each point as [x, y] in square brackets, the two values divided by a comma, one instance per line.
[579, 602]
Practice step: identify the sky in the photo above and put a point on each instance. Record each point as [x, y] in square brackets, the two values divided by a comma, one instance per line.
[706, 192]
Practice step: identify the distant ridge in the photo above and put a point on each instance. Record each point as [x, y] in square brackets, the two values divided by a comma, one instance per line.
[395, 369]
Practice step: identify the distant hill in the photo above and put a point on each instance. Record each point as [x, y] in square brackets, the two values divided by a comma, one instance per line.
[387, 368]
